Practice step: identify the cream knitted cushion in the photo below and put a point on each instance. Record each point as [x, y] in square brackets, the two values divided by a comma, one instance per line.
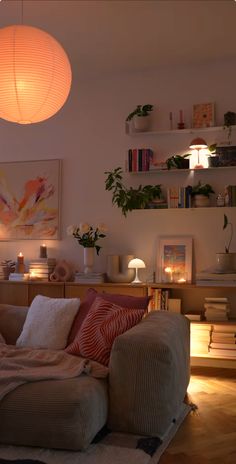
[48, 322]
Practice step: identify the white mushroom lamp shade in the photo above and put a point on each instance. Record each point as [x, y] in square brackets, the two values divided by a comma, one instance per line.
[35, 75]
[136, 264]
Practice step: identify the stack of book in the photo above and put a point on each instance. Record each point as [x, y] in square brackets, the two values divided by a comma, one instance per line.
[6, 268]
[216, 309]
[179, 197]
[90, 278]
[41, 268]
[139, 159]
[200, 338]
[230, 195]
[159, 299]
[216, 278]
[18, 277]
[223, 341]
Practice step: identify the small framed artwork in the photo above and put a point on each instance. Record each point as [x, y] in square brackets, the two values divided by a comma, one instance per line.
[30, 200]
[174, 259]
[203, 115]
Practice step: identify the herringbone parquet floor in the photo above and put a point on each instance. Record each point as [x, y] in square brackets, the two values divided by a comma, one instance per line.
[207, 435]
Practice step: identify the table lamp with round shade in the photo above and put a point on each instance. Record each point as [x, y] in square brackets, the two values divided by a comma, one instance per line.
[136, 264]
[198, 144]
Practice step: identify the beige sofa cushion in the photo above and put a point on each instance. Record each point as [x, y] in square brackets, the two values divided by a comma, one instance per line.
[12, 319]
[64, 414]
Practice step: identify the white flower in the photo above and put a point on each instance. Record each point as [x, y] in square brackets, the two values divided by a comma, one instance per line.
[70, 230]
[102, 227]
[84, 227]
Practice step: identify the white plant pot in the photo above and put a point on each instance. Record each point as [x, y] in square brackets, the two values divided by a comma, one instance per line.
[226, 262]
[141, 123]
[201, 201]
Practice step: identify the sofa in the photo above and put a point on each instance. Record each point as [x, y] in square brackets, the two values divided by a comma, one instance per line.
[149, 370]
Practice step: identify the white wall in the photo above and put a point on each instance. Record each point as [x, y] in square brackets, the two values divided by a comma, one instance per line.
[88, 134]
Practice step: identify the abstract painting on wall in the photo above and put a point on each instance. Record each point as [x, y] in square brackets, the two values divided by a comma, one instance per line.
[30, 200]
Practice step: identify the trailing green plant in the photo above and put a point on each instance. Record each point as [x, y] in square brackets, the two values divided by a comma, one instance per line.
[202, 189]
[129, 198]
[140, 110]
[225, 225]
[176, 161]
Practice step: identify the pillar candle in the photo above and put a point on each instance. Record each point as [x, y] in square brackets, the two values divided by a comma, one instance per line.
[43, 251]
[20, 263]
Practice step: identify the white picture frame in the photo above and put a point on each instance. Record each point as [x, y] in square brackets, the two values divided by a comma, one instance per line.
[174, 259]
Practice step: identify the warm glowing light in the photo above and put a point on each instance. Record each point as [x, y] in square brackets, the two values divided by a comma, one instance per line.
[181, 280]
[20, 255]
[35, 75]
[168, 270]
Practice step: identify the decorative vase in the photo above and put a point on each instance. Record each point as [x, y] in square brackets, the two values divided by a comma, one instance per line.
[88, 259]
[117, 268]
[226, 262]
[201, 201]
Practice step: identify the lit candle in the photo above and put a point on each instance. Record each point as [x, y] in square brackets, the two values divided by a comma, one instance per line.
[43, 251]
[169, 274]
[182, 280]
[20, 263]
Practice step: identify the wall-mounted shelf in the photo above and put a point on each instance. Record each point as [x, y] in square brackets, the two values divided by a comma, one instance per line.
[178, 131]
[168, 171]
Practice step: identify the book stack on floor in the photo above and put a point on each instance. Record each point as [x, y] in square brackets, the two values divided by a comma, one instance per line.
[200, 338]
[223, 341]
[216, 309]
[41, 268]
[216, 278]
[90, 278]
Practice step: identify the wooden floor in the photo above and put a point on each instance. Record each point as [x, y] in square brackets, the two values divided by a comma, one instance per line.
[207, 435]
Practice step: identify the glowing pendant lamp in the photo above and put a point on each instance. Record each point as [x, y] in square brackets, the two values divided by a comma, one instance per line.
[35, 75]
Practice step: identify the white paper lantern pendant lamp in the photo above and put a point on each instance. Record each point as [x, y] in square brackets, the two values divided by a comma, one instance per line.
[35, 75]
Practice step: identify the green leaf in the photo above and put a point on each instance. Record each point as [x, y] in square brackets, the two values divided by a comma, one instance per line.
[225, 222]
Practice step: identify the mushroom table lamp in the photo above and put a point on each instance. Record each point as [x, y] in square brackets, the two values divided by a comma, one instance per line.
[198, 144]
[136, 264]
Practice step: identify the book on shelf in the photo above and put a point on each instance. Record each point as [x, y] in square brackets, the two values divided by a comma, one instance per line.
[227, 346]
[20, 277]
[223, 337]
[222, 352]
[194, 317]
[212, 299]
[225, 328]
[90, 278]
[159, 299]
[217, 306]
[139, 159]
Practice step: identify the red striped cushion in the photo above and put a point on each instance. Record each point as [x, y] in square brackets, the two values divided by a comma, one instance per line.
[103, 324]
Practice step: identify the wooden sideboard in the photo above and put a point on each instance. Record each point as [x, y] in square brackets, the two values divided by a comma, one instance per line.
[23, 293]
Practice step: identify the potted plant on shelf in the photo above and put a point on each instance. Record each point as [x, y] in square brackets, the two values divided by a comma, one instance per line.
[213, 158]
[129, 198]
[226, 262]
[229, 121]
[178, 161]
[201, 194]
[140, 117]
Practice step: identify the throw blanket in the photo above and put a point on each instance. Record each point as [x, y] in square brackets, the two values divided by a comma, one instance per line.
[22, 365]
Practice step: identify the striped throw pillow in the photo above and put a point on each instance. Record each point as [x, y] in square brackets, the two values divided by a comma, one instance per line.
[102, 325]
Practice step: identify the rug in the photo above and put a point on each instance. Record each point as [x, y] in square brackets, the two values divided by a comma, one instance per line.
[108, 448]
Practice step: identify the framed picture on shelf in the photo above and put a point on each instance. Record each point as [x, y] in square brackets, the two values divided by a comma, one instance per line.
[30, 200]
[203, 115]
[174, 259]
